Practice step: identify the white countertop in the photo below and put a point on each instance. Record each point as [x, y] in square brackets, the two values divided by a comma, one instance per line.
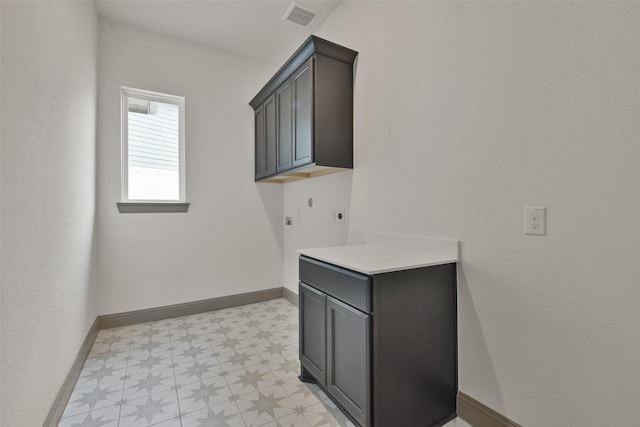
[379, 258]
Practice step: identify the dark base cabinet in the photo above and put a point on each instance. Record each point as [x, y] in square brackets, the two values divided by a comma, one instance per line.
[383, 347]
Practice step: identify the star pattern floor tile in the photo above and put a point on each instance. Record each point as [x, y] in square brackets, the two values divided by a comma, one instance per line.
[236, 367]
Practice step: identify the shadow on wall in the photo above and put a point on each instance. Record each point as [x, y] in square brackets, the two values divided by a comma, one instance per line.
[271, 196]
[315, 226]
[471, 336]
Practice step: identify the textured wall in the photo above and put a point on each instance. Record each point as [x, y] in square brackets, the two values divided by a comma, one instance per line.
[465, 113]
[230, 241]
[314, 226]
[48, 133]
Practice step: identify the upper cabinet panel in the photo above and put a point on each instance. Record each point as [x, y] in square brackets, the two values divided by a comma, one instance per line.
[312, 97]
[284, 99]
[303, 112]
[265, 139]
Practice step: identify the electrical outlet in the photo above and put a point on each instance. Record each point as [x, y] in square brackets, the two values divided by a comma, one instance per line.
[288, 220]
[535, 220]
[340, 215]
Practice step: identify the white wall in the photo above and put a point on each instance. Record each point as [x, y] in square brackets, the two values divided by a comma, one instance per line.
[465, 113]
[230, 241]
[48, 134]
[314, 226]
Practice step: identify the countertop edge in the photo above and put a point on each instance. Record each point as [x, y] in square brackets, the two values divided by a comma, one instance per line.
[433, 260]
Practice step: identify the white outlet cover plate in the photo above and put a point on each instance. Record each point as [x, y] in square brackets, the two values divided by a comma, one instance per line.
[535, 220]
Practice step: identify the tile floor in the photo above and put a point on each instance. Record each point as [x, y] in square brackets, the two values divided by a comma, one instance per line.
[225, 368]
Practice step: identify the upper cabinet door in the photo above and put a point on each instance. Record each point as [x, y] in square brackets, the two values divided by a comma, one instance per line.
[266, 138]
[303, 114]
[260, 151]
[284, 102]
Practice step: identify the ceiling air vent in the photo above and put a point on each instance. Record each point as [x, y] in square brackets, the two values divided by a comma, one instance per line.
[300, 14]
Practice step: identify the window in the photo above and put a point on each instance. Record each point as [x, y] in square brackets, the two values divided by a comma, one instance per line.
[153, 160]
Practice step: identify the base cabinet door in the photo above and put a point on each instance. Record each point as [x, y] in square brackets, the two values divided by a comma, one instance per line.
[313, 353]
[349, 358]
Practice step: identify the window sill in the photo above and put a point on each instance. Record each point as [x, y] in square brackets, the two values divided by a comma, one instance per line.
[137, 207]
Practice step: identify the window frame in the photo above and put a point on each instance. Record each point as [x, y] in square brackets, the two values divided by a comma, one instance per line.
[148, 205]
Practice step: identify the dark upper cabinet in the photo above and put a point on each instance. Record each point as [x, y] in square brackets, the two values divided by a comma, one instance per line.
[312, 96]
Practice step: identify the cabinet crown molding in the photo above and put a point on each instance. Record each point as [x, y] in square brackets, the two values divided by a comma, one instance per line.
[313, 45]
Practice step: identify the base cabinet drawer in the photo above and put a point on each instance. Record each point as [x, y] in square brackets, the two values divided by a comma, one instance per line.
[346, 286]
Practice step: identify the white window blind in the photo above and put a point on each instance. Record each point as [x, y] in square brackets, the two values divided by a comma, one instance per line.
[153, 149]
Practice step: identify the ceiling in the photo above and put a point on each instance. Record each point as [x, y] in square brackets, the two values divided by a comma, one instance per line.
[251, 28]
